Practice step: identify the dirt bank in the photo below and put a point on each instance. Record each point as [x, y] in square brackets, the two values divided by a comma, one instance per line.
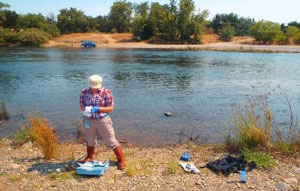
[24, 169]
[125, 41]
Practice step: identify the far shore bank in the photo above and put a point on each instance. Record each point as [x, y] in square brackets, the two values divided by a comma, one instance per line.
[210, 42]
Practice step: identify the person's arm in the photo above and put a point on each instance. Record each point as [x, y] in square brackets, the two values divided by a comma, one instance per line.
[82, 108]
[109, 106]
[106, 109]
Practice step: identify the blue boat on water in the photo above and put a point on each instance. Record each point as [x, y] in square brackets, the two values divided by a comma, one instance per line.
[88, 43]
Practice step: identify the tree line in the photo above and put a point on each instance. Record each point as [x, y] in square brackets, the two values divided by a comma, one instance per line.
[175, 22]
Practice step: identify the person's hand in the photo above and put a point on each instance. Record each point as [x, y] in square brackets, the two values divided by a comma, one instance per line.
[95, 109]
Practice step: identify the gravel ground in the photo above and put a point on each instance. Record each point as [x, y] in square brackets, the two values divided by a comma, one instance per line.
[24, 168]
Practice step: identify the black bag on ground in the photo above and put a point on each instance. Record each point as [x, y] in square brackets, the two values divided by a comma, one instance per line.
[227, 165]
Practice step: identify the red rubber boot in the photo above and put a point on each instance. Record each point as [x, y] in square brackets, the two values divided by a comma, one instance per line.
[121, 160]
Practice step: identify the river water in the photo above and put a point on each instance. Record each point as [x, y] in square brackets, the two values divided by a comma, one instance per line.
[198, 87]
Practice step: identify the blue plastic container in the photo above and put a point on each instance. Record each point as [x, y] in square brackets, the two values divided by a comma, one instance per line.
[92, 168]
[243, 176]
[185, 157]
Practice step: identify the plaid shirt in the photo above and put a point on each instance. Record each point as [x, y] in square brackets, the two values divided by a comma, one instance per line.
[103, 98]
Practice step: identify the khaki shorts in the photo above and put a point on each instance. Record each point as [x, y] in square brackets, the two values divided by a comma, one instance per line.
[104, 127]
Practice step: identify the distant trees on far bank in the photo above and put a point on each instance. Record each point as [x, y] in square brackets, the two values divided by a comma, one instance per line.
[175, 22]
[230, 25]
[169, 22]
[268, 32]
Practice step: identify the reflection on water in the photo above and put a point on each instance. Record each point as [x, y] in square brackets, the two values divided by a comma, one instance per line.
[198, 87]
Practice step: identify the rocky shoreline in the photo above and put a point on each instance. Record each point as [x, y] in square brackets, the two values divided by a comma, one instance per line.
[149, 168]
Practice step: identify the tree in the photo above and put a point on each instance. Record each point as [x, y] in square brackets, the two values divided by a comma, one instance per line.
[186, 8]
[198, 21]
[157, 17]
[51, 18]
[266, 32]
[103, 24]
[294, 23]
[142, 9]
[11, 18]
[242, 25]
[283, 27]
[72, 21]
[2, 14]
[227, 32]
[3, 5]
[31, 21]
[291, 32]
[141, 27]
[297, 39]
[170, 27]
[51, 29]
[120, 15]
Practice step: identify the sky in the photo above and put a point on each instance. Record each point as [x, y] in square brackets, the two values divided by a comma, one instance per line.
[281, 11]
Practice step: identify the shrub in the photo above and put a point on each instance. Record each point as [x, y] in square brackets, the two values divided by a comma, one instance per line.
[23, 135]
[33, 37]
[3, 112]
[113, 30]
[227, 32]
[52, 30]
[297, 38]
[266, 32]
[291, 32]
[44, 135]
[282, 39]
[7, 36]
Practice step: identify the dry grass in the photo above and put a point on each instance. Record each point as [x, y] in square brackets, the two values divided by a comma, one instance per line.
[4, 142]
[253, 128]
[288, 147]
[3, 112]
[44, 135]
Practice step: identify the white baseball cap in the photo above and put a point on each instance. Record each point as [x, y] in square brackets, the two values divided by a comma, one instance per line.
[95, 81]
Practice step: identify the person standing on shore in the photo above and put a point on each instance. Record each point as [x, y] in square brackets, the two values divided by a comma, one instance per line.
[99, 101]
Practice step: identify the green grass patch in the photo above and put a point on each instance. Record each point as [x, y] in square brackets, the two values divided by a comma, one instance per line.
[139, 167]
[64, 176]
[262, 160]
[22, 135]
[173, 167]
[14, 177]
